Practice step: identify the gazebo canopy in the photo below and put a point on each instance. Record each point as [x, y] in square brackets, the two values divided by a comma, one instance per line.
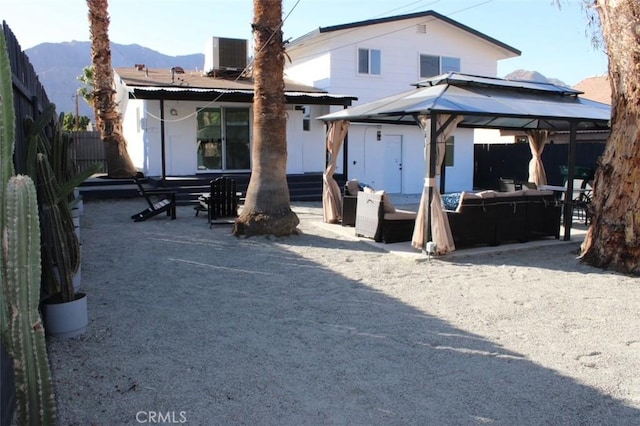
[440, 104]
[485, 102]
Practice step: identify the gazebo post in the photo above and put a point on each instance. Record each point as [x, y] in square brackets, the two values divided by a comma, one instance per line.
[345, 151]
[431, 175]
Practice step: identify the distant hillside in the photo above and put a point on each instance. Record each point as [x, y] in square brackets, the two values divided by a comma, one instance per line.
[59, 64]
[533, 76]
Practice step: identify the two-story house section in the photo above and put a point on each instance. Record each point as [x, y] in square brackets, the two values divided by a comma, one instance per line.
[380, 57]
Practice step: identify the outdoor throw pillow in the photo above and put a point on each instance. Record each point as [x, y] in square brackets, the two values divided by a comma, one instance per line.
[353, 186]
[386, 202]
[466, 196]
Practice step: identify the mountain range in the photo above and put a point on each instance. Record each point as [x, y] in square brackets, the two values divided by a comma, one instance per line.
[533, 76]
[58, 66]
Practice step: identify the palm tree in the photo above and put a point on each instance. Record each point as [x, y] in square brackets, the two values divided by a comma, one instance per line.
[267, 207]
[108, 121]
[613, 239]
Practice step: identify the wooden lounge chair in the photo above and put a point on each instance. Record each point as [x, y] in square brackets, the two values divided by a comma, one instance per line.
[221, 202]
[159, 201]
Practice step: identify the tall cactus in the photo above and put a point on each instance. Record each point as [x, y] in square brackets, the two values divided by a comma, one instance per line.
[50, 166]
[60, 245]
[34, 388]
[20, 272]
[7, 136]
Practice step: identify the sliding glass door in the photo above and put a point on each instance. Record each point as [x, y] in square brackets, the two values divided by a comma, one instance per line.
[223, 139]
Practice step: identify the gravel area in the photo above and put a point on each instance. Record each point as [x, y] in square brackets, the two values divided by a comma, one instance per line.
[191, 325]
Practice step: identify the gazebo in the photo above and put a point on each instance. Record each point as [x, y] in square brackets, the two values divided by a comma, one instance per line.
[440, 104]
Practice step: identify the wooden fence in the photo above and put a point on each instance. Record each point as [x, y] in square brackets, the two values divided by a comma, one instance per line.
[30, 99]
[87, 148]
[29, 96]
[493, 161]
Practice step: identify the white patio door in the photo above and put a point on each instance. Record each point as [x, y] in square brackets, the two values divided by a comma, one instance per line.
[392, 163]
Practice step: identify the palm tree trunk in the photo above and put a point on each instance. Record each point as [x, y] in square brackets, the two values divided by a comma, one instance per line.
[267, 207]
[108, 121]
[613, 239]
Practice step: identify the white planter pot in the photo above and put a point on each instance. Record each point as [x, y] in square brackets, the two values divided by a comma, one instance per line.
[76, 225]
[77, 279]
[66, 320]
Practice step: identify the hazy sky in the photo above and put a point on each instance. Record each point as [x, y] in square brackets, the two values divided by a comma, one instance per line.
[554, 41]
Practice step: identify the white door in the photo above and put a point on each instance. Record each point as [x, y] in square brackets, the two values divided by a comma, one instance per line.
[392, 163]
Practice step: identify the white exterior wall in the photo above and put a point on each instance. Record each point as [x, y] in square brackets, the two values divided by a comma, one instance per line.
[142, 130]
[460, 176]
[142, 133]
[367, 158]
[489, 136]
[331, 64]
[132, 129]
[313, 70]
[306, 149]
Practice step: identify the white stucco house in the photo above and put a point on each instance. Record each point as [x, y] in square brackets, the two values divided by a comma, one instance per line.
[199, 123]
[180, 123]
[381, 57]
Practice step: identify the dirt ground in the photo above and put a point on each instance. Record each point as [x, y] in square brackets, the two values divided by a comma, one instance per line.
[191, 325]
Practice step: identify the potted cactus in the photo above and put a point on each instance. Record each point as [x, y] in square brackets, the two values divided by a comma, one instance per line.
[64, 309]
[21, 329]
[49, 163]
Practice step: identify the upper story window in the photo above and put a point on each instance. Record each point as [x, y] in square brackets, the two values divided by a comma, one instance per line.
[435, 65]
[369, 61]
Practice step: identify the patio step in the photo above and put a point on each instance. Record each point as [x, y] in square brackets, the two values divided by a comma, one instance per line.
[304, 187]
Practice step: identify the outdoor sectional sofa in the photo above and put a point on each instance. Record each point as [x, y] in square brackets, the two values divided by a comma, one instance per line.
[494, 218]
[484, 218]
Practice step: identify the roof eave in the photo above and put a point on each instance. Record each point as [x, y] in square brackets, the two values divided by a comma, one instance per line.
[428, 13]
[245, 96]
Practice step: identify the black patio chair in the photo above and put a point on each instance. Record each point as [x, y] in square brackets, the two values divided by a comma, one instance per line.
[158, 200]
[581, 201]
[221, 202]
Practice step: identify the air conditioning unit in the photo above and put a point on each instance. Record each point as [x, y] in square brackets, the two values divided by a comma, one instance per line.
[225, 54]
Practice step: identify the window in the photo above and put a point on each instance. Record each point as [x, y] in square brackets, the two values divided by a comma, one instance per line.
[431, 66]
[449, 64]
[223, 139]
[448, 152]
[369, 61]
[306, 118]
